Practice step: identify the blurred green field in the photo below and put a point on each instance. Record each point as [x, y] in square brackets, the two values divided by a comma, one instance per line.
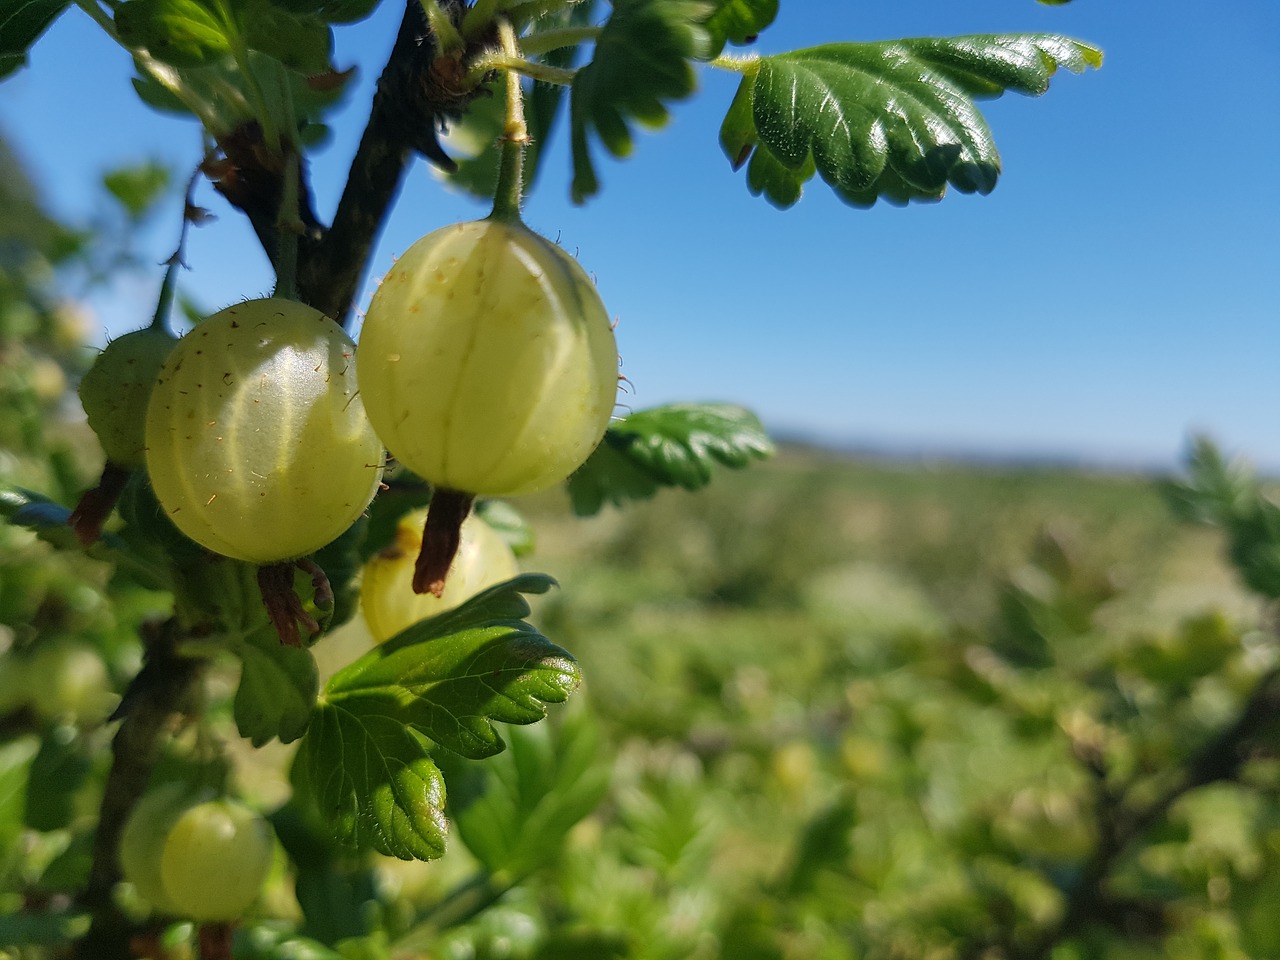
[845, 706]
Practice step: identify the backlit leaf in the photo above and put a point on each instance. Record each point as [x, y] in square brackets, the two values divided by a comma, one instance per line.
[738, 21]
[642, 61]
[184, 33]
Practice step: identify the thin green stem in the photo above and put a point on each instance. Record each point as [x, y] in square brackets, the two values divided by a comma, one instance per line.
[478, 18]
[448, 39]
[288, 227]
[515, 134]
[538, 43]
[747, 65]
[99, 17]
[240, 53]
[189, 210]
[518, 64]
[160, 319]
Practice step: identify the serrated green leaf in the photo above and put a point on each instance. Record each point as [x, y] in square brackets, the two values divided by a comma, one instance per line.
[738, 21]
[532, 795]
[779, 184]
[21, 24]
[674, 445]
[365, 761]
[453, 675]
[217, 93]
[184, 33]
[277, 691]
[893, 120]
[372, 779]
[608, 476]
[642, 61]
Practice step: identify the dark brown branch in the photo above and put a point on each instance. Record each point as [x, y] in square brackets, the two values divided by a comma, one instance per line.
[330, 270]
[156, 696]
[416, 93]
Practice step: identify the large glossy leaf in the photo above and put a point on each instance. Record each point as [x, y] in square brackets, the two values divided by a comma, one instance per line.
[21, 23]
[365, 760]
[894, 120]
[372, 779]
[642, 62]
[675, 445]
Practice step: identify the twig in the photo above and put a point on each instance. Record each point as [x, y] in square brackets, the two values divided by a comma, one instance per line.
[413, 97]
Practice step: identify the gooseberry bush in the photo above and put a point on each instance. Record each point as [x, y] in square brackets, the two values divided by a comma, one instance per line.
[265, 475]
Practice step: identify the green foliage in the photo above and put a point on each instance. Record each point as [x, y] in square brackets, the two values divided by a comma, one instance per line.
[277, 690]
[514, 813]
[891, 120]
[674, 445]
[1226, 494]
[196, 33]
[641, 62]
[839, 710]
[738, 21]
[478, 133]
[442, 681]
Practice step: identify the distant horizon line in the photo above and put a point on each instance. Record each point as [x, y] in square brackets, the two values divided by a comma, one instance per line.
[915, 453]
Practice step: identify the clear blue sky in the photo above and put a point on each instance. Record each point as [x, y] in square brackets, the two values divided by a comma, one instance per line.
[1119, 289]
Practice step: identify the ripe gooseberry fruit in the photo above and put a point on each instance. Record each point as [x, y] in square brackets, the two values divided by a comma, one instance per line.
[215, 860]
[190, 854]
[114, 393]
[143, 838]
[386, 595]
[257, 443]
[488, 366]
[115, 390]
